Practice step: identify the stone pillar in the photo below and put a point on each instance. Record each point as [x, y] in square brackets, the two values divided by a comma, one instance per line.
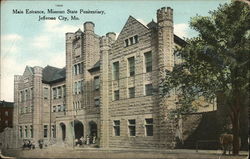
[58, 133]
[17, 80]
[104, 91]
[38, 107]
[69, 133]
[165, 62]
[69, 72]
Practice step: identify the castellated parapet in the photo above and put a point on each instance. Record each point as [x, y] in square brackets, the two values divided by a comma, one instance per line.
[89, 26]
[165, 14]
[111, 35]
[38, 70]
[69, 37]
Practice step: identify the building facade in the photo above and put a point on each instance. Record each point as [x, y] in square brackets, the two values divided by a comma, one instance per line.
[6, 115]
[109, 89]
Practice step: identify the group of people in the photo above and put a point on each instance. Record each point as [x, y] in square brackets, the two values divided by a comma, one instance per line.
[28, 144]
[89, 140]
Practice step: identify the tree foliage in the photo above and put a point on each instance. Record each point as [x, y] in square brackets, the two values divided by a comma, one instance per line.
[215, 62]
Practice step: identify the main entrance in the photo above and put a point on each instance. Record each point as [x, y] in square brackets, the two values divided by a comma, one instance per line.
[63, 129]
[78, 129]
[92, 129]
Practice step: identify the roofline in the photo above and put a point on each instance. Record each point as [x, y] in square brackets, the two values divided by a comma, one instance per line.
[6, 104]
[130, 16]
[55, 81]
[179, 41]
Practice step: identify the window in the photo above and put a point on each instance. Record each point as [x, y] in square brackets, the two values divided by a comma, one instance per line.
[136, 39]
[79, 87]
[77, 69]
[96, 83]
[131, 41]
[148, 61]
[6, 113]
[131, 127]
[80, 68]
[45, 93]
[97, 101]
[131, 65]
[45, 131]
[59, 90]
[6, 122]
[149, 126]
[31, 93]
[26, 95]
[116, 125]
[21, 131]
[131, 92]
[54, 109]
[53, 129]
[126, 43]
[22, 92]
[64, 107]
[116, 95]
[74, 69]
[54, 93]
[116, 70]
[28, 109]
[59, 108]
[26, 131]
[148, 89]
[75, 88]
[20, 96]
[31, 131]
[64, 90]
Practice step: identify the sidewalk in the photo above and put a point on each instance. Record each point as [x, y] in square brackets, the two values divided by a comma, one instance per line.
[97, 153]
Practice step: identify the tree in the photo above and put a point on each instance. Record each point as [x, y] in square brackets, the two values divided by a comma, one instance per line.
[215, 63]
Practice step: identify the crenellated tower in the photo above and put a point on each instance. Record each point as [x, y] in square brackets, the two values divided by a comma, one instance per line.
[165, 62]
[105, 46]
[37, 103]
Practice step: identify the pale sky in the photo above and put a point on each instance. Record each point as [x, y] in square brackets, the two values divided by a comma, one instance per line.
[27, 41]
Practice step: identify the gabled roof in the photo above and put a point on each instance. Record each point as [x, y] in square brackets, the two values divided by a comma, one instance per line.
[28, 71]
[179, 41]
[152, 24]
[6, 104]
[53, 74]
[130, 20]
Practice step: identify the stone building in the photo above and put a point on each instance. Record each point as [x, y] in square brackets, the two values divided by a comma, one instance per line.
[108, 89]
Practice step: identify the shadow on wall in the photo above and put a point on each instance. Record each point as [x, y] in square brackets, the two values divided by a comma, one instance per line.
[203, 129]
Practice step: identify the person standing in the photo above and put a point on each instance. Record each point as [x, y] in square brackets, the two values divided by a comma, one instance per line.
[87, 141]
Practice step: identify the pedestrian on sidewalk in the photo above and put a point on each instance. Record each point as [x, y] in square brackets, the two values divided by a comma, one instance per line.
[87, 140]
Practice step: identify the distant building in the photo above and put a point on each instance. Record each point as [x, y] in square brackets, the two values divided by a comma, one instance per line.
[6, 115]
[109, 89]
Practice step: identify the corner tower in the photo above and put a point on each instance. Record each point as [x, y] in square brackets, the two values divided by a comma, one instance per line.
[165, 62]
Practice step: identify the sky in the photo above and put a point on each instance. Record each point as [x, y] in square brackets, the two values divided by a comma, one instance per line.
[27, 41]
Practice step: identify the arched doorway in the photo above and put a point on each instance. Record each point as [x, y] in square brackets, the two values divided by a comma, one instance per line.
[92, 129]
[78, 129]
[63, 129]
